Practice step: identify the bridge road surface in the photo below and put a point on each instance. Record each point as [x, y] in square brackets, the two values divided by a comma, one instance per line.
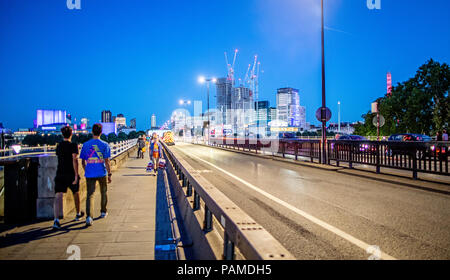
[323, 214]
[131, 230]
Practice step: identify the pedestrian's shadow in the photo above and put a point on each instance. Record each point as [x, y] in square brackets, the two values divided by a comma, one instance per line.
[38, 234]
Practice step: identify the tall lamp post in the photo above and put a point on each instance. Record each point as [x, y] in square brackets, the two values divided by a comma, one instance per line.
[203, 80]
[185, 103]
[324, 122]
[339, 117]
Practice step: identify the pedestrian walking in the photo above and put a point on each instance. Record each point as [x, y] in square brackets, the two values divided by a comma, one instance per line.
[155, 151]
[66, 175]
[95, 156]
[141, 147]
[438, 136]
[445, 135]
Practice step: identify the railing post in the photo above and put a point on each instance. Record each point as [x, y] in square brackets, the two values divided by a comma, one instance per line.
[350, 159]
[320, 152]
[207, 223]
[415, 163]
[196, 203]
[296, 150]
[228, 248]
[189, 190]
[378, 157]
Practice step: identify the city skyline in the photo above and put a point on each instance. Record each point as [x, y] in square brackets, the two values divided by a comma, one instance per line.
[127, 69]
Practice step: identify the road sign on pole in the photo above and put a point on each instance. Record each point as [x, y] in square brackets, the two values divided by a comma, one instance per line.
[323, 114]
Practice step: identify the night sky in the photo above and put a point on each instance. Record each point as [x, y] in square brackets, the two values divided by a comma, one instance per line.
[139, 57]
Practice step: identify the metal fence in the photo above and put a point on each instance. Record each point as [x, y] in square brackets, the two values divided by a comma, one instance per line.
[426, 157]
[310, 149]
[418, 157]
[117, 148]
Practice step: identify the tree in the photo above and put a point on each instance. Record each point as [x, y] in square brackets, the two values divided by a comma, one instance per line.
[112, 137]
[122, 136]
[419, 105]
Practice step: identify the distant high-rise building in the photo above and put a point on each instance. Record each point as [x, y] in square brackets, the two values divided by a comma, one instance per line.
[106, 116]
[288, 106]
[133, 123]
[224, 92]
[48, 117]
[262, 113]
[120, 122]
[153, 121]
[273, 113]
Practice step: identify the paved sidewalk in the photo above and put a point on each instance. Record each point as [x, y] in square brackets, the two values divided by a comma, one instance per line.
[127, 233]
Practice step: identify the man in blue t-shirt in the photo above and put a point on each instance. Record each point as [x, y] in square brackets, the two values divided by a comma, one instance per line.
[95, 156]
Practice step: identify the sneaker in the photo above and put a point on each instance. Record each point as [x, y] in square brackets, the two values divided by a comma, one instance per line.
[89, 221]
[77, 218]
[103, 215]
[56, 225]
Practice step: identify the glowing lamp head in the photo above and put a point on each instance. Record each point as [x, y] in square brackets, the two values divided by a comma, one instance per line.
[214, 80]
[201, 80]
[181, 102]
[16, 148]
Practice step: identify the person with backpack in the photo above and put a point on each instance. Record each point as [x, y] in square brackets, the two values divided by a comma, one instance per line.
[95, 156]
[66, 175]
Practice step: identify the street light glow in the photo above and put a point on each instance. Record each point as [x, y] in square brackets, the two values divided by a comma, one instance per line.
[201, 80]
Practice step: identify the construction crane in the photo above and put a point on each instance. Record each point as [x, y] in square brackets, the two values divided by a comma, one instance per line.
[230, 67]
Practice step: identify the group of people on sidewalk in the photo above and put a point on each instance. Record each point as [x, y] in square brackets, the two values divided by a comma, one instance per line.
[95, 156]
[442, 136]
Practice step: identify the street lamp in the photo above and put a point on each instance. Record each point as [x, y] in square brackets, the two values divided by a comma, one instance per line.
[203, 80]
[324, 122]
[339, 117]
[185, 103]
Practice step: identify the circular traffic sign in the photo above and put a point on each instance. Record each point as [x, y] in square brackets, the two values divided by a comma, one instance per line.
[375, 121]
[323, 114]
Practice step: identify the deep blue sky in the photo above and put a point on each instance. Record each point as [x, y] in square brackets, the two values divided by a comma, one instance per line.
[140, 57]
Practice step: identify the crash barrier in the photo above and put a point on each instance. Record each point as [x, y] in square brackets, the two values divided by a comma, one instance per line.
[298, 148]
[426, 157]
[238, 230]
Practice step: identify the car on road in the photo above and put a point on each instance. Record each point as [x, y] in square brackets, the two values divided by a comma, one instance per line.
[421, 149]
[168, 138]
[362, 147]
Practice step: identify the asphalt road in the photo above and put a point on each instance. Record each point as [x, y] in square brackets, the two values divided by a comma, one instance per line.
[323, 214]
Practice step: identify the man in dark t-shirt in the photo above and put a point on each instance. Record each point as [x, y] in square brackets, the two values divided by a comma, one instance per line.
[66, 175]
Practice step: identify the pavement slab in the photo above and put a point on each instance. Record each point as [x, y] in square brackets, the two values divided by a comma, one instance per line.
[128, 232]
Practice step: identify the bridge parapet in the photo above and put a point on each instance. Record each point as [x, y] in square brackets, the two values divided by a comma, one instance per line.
[29, 182]
[237, 229]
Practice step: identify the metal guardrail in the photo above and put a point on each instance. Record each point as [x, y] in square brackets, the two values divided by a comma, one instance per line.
[426, 157]
[418, 157]
[240, 231]
[298, 148]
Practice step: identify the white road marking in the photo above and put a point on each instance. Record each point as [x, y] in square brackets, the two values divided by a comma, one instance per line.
[361, 244]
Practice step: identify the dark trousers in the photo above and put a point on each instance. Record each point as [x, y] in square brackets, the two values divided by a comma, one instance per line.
[91, 182]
